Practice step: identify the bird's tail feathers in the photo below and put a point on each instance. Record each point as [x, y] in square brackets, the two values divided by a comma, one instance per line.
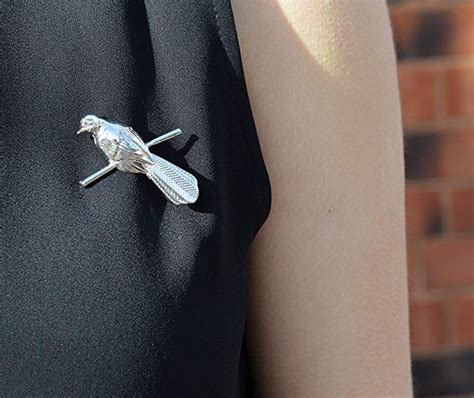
[179, 186]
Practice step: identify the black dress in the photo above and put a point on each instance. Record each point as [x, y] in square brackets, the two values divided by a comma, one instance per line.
[112, 290]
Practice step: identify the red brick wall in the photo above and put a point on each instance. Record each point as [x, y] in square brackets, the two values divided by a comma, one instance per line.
[435, 47]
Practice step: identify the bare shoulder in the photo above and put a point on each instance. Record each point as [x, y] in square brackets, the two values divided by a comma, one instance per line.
[328, 273]
[322, 74]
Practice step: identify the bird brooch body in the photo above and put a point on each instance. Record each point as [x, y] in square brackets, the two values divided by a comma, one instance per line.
[127, 152]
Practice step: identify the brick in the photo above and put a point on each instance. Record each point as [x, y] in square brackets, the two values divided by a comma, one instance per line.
[423, 213]
[439, 155]
[416, 95]
[421, 32]
[414, 277]
[422, 156]
[456, 157]
[462, 209]
[459, 90]
[446, 374]
[461, 30]
[464, 320]
[427, 324]
[405, 26]
[449, 263]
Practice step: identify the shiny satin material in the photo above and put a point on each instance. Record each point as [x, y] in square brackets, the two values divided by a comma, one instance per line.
[112, 290]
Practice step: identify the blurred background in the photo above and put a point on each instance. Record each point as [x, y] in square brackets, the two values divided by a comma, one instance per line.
[435, 49]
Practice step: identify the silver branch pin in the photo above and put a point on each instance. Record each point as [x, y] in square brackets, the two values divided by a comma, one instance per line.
[127, 152]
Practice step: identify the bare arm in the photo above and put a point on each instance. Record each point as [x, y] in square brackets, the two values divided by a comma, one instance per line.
[328, 314]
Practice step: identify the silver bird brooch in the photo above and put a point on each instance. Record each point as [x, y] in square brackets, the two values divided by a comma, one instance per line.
[127, 152]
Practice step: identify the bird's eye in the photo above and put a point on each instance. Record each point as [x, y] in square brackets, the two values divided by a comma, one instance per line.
[89, 122]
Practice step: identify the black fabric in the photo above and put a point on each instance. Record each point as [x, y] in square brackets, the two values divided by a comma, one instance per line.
[110, 290]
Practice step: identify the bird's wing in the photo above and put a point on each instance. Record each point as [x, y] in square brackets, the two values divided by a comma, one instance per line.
[121, 148]
[136, 139]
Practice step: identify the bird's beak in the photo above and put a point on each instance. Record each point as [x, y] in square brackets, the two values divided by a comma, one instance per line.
[83, 130]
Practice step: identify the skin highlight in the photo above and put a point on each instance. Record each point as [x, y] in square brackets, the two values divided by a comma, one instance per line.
[328, 312]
